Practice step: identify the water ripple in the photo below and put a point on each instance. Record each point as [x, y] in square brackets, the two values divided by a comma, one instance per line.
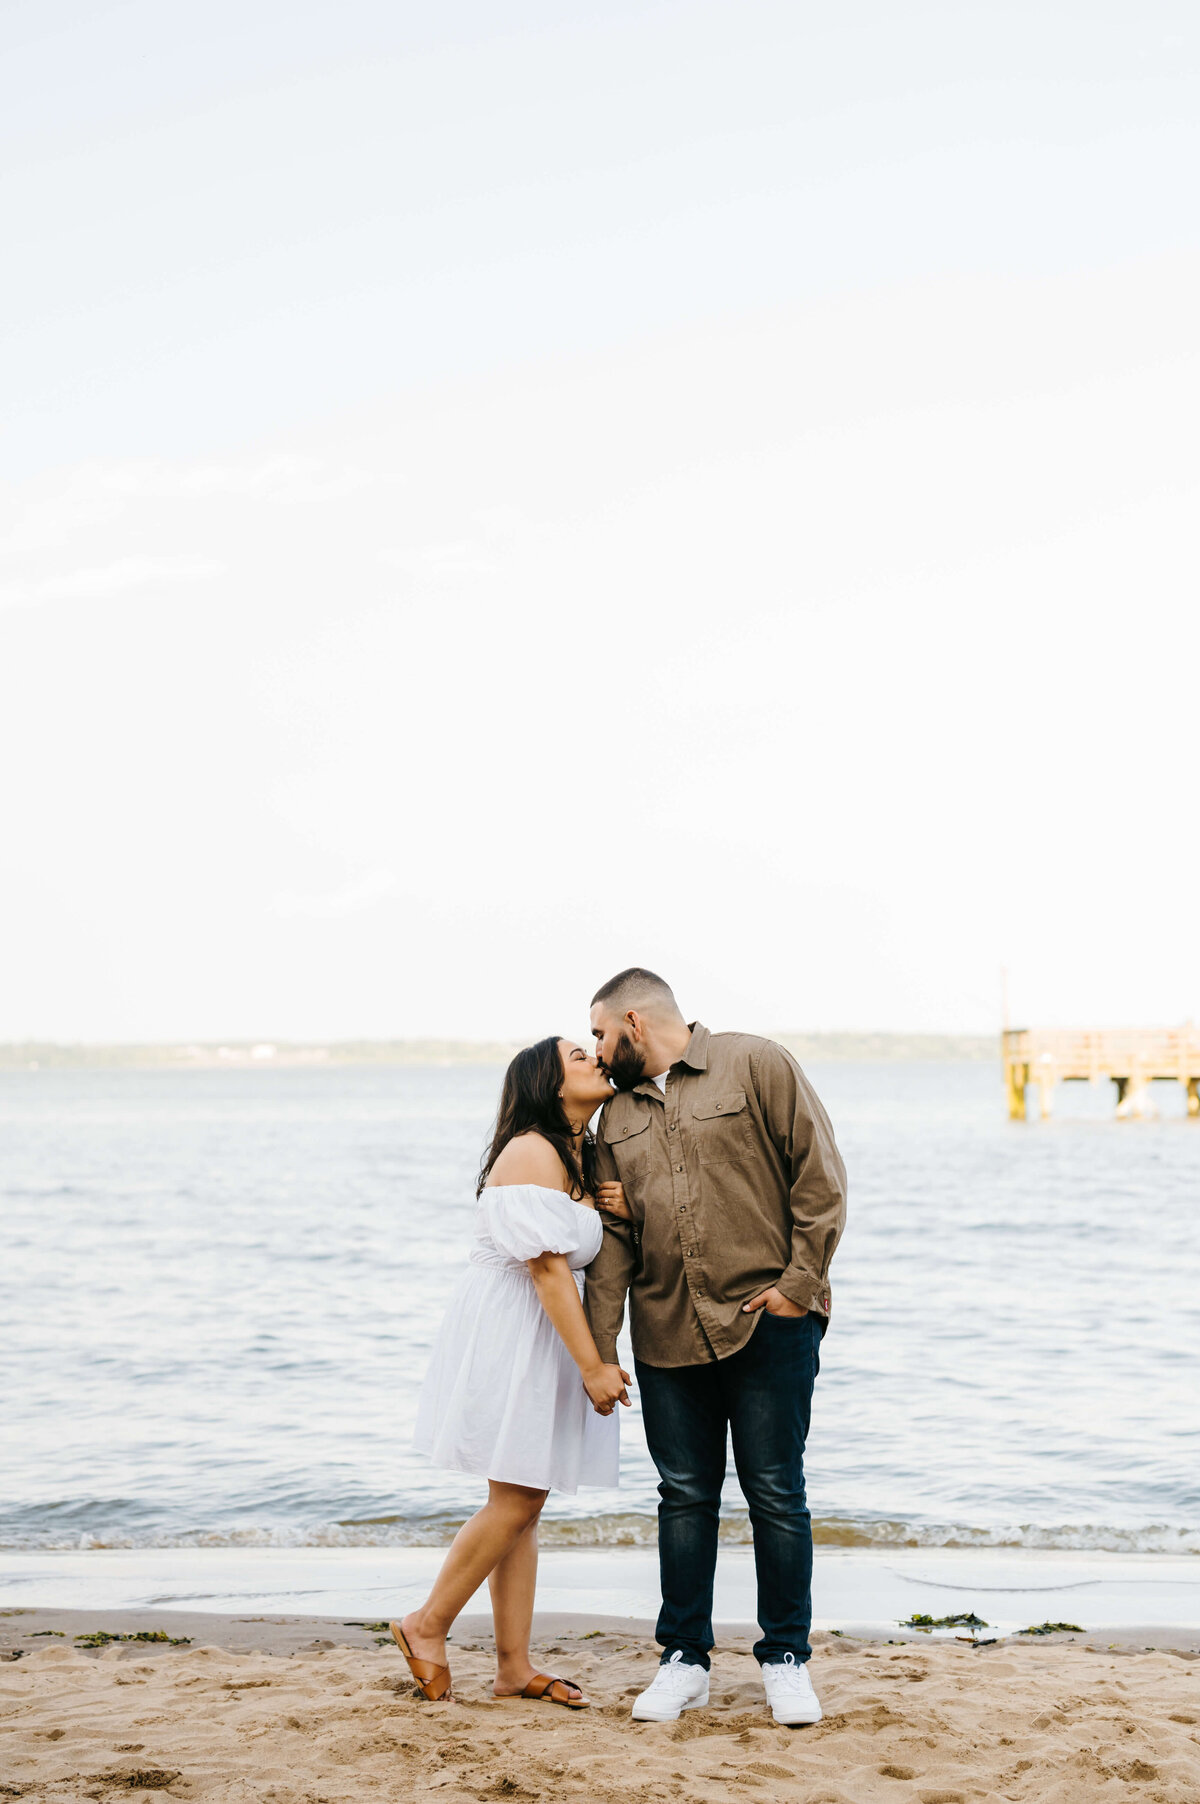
[223, 1286]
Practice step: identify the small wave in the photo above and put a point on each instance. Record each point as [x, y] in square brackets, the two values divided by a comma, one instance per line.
[1085, 1537]
[632, 1529]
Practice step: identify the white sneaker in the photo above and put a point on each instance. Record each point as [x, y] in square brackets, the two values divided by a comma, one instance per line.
[789, 1692]
[677, 1686]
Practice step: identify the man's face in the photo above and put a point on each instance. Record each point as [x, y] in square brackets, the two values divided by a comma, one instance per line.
[618, 1053]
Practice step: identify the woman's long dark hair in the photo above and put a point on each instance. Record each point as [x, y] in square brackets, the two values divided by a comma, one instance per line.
[529, 1102]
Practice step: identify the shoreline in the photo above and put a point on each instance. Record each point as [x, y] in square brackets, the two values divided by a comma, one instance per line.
[856, 1591]
[260, 1055]
[32, 1629]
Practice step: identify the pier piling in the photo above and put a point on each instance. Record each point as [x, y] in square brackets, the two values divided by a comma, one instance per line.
[1132, 1058]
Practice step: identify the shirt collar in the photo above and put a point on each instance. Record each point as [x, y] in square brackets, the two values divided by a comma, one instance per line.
[696, 1056]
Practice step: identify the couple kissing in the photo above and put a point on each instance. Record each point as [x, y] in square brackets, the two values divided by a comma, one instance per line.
[712, 1197]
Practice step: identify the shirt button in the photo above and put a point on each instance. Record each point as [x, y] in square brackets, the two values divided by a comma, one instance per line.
[679, 1168]
[683, 1208]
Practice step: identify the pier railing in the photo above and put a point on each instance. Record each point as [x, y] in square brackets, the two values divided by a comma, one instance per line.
[1132, 1058]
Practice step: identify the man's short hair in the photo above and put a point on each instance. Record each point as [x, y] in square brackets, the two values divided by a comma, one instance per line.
[636, 988]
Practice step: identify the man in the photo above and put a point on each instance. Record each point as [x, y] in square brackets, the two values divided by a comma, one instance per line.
[735, 1193]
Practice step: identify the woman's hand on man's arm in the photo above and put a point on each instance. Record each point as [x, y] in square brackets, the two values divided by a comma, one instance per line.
[610, 1198]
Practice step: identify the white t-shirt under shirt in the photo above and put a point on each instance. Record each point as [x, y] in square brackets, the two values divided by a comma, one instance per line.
[661, 1081]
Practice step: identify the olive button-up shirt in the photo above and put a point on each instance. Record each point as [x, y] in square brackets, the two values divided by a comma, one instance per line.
[734, 1182]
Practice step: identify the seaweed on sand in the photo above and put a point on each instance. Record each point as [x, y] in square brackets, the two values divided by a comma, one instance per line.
[102, 1638]
[966, 1620]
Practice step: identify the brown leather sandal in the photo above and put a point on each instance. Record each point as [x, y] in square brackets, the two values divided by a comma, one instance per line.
[434, 1680]
[555, 1691]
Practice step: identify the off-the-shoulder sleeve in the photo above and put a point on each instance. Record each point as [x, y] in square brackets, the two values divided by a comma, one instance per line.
[524, 1220]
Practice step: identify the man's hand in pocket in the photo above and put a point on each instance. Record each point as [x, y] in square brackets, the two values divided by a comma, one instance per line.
[774, 1302]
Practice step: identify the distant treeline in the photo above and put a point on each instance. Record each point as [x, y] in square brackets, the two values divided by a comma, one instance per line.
[815, 1049]
[810, 1049]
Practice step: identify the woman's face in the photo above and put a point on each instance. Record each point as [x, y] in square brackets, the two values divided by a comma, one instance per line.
[584, 1085]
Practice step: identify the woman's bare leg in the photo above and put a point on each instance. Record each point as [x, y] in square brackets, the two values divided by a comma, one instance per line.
[477, 1548]
[512, 1583]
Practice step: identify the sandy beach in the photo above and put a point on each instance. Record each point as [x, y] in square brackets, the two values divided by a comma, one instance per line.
[308, 1710]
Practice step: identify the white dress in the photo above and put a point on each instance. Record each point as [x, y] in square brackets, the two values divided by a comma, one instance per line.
[502, 1397]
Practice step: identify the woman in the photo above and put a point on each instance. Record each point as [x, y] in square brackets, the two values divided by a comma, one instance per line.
[516, 1391]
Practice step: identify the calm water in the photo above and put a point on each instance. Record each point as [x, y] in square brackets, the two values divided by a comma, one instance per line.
[220, 1287]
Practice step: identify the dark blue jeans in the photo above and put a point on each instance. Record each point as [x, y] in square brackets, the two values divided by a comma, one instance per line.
[762, 1394]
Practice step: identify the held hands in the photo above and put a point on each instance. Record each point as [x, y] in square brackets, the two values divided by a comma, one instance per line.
[774, 1302]
[611, 1199]
[605, 1385]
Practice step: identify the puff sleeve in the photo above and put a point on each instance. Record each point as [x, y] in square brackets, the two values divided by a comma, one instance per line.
[523, 1220]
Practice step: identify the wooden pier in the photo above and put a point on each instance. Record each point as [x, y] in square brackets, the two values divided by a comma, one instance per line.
[1132, 1058]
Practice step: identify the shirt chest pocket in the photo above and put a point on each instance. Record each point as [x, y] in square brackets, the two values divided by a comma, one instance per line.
[629, 1143]
[722, 1128]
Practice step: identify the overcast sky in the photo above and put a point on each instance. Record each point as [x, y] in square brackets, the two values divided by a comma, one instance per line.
[493, 493]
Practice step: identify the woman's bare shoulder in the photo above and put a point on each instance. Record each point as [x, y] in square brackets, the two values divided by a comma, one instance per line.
[529, 1159]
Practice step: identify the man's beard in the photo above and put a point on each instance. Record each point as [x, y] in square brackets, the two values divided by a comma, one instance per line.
[626, 1066]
